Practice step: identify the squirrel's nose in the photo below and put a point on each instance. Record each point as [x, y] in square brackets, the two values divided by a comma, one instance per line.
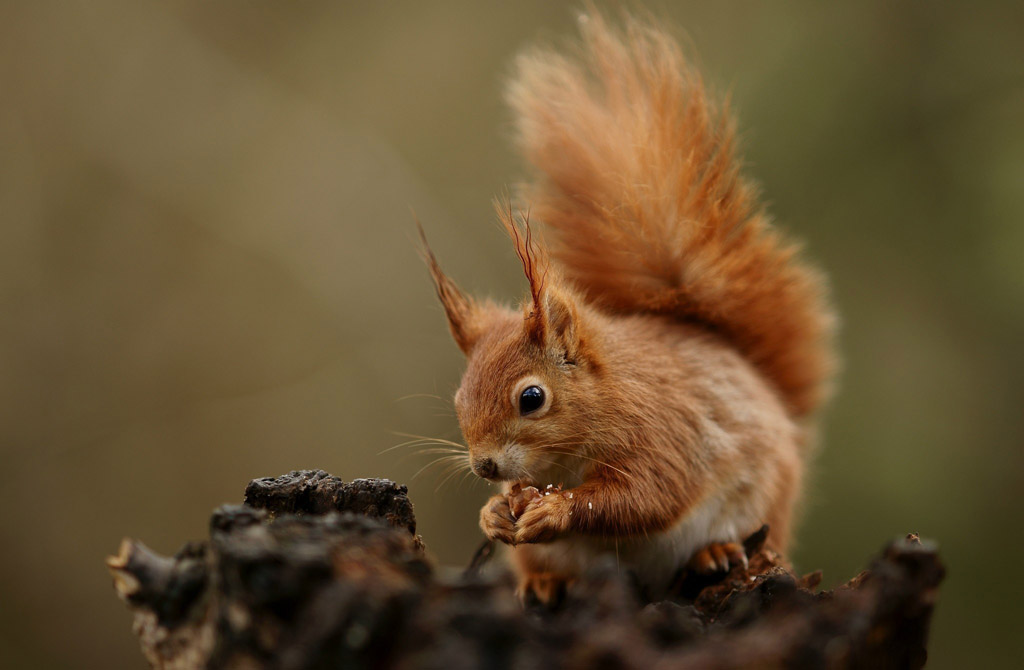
[485, 467]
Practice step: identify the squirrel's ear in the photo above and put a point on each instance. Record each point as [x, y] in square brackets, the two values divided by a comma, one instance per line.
[464, 317]
[557, 326]
[552, 320]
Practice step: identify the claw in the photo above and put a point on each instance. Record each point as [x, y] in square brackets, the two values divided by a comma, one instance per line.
[718, 557]
[703, 562]
[737, 556]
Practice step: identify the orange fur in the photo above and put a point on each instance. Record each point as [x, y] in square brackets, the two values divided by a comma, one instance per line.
[679, 343]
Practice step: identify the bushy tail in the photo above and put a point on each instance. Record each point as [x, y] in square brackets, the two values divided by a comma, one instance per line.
[646, 211]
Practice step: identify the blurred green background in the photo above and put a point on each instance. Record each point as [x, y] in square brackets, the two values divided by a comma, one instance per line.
[208, 271]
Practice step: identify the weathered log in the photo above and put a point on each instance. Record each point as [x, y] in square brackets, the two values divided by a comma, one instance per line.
[314, 572]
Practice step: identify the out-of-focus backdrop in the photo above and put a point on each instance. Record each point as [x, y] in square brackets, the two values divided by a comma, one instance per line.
[208, 271]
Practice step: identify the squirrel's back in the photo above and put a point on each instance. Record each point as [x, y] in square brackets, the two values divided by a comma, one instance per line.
[646, 211]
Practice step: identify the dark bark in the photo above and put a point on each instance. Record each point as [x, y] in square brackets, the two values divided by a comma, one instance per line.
[313, 572]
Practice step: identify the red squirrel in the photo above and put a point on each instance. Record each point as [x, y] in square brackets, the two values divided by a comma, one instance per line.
[666, 364]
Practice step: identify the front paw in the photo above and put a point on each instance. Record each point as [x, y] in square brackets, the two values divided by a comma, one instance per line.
[496, 520]
[544, 520]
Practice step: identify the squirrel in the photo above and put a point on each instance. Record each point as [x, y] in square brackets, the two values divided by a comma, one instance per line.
[666, 365]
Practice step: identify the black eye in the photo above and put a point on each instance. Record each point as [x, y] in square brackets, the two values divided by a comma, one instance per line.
[531, 399]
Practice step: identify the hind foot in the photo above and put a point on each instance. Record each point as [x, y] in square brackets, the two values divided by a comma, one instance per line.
[718, 557]
[544, 588]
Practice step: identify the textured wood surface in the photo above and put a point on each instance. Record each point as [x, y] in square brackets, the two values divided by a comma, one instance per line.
[314, 572]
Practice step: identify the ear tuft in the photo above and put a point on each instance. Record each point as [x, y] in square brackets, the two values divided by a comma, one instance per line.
[462, 312]
[531, 255]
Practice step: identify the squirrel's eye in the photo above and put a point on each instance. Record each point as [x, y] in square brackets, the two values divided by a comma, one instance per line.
[531, 399]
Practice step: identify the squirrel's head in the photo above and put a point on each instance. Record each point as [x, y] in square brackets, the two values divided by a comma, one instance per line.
[531, 376]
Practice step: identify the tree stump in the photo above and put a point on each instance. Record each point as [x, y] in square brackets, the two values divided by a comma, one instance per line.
[314, 572]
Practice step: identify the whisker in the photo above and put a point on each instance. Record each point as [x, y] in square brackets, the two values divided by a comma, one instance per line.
[436, 461]
[445, 480]
[422, 440]
[540, 447]
[557, 464]
[419, 446]
[436, 439]
[584, 437]
[410, 443]
[437, 450]
[593, 443]
[434, 450]
[462, 480]
[595, 460]
[420, 395]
